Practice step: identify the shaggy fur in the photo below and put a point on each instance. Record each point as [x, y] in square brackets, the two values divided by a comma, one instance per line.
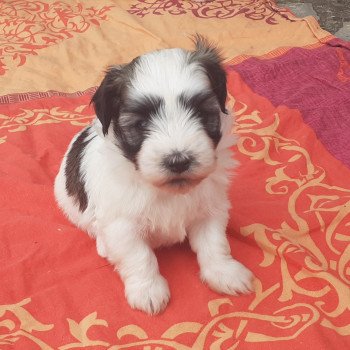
[153, 169]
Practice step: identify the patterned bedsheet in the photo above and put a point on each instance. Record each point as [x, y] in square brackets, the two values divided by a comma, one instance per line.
[289, 85]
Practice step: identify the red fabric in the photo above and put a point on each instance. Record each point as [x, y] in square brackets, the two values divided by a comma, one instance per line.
[287, 194]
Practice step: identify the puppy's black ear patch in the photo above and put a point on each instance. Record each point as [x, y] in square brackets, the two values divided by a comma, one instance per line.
[209, 57]
[108, 96]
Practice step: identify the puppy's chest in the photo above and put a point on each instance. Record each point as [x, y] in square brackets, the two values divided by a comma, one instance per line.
[166, 223]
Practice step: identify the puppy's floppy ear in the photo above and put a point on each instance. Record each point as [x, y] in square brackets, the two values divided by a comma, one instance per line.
[209, 57]
[107, 98]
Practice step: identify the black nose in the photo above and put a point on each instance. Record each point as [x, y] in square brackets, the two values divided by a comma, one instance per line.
[177, 162]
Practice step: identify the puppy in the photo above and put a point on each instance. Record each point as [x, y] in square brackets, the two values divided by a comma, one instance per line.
[153, 169]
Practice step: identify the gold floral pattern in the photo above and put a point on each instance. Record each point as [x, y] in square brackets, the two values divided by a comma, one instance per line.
[225, 329]
[18, 323]
[79, 116]
[315, 235]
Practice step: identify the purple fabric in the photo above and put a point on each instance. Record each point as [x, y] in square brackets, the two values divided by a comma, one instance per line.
[316, 82]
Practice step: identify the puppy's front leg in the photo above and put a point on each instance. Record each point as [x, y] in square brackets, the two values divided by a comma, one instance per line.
[217, 267]
[145, 288]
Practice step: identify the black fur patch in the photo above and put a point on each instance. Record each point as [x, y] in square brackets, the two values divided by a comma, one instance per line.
[204, 106]
[75, 185]
[208, 56]
[132, 128]
[145, 107]
[109, 96]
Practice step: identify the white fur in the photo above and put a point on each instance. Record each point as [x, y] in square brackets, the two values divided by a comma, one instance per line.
[130, 211]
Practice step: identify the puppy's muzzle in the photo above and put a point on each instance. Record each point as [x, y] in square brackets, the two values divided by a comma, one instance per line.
[179, 166]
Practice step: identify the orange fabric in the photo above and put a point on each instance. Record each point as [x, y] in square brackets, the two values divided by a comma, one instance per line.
[289, 222]
[65, 45]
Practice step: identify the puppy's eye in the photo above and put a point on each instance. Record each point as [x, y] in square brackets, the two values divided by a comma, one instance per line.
[141, 124]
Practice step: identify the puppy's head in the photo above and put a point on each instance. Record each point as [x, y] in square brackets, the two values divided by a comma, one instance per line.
[163, 111]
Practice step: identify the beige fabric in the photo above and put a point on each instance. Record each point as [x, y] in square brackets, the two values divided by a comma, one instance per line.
[92, 35]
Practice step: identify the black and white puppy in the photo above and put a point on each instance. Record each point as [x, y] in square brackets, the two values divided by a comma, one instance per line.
[153, 169]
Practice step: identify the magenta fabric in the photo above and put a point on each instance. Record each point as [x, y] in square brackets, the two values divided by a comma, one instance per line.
[316, 82]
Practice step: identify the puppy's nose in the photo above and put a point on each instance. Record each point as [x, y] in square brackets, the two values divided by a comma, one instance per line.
[177, 162]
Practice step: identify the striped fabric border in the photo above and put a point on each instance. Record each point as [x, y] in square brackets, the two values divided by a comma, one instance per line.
[28, 96]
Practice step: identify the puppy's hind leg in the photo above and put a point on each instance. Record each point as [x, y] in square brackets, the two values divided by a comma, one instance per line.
[145, 288]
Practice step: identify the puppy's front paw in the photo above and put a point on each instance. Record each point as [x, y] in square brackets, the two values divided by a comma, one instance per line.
[150, 296]
[228, 276]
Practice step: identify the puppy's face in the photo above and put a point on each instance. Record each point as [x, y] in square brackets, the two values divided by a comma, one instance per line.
[163, 111]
